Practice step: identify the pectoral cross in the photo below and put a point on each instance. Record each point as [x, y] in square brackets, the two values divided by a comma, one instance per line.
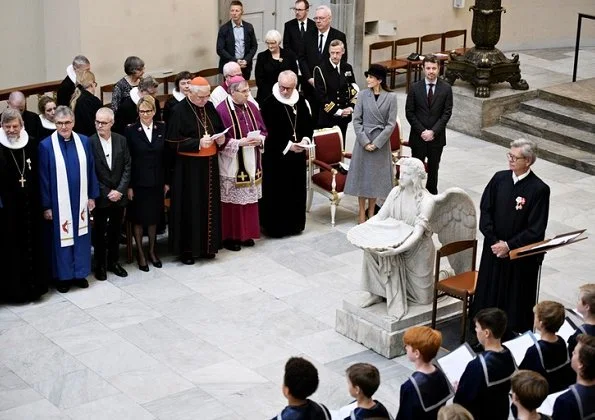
[22, 181]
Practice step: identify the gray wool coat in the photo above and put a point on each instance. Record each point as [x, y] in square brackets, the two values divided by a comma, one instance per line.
[370, 173]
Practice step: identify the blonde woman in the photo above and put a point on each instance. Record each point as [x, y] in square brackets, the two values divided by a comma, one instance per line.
[85, 104]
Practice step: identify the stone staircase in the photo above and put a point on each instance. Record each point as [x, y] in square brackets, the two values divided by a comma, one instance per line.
[563, 128]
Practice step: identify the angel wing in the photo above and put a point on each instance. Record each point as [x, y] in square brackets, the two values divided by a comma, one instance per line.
[453, 218]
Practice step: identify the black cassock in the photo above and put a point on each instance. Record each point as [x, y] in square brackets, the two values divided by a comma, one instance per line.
[518, 214]
[20, 226]
[484, 386]
[282, 207]
[195, 222]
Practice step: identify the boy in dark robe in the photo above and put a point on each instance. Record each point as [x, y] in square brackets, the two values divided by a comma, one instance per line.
[363, 381]
[549, 356]
[485, 383]
[579, 401]
[529, 390]
[514, 213]
[301, 381]
[585, 307]
[428, 389]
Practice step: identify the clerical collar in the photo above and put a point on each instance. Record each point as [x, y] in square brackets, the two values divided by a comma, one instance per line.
[179, 95]
[71, 73]
[19, 144]
[135, 95]
[295, 96]
[516, 179]
[47, 123]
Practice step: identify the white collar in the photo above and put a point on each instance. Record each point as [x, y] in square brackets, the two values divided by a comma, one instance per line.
[135, 95]
[71, 73]
[521, 176]
[325, 33]
[295, 96]
[47, 123]
[147, 127]
[230, 102]
[435, 82]
[108, 139]
[20, 143]
[179, 95]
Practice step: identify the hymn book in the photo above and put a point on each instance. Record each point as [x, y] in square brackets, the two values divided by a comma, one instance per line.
[454, 363]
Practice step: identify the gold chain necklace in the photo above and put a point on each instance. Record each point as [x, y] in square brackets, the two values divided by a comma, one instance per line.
[206, 119]
[292, 122]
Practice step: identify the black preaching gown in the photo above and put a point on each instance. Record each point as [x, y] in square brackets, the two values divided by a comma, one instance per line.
[485, 384]
[502, 283]
[195, 221]
[423, 395]
[21, 258]
[282, 208]
[551, 361]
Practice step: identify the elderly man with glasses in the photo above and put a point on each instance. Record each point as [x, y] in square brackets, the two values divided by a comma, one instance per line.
[112, 166]
[68, 188]
[514, 213]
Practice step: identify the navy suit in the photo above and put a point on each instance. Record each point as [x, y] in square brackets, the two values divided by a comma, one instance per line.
[423, 116]
[226, 46]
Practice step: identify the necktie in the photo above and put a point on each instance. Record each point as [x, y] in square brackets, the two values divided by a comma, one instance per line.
[430, 93]
[320, 44]
[302, 29]
[338, 70]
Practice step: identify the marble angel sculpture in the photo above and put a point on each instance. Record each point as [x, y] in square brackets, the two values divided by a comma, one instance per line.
[399, 250]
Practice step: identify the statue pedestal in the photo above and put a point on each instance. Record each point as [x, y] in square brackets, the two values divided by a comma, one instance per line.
[381, 333]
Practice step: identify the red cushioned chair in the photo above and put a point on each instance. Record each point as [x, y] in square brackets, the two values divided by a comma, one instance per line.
[324, 176]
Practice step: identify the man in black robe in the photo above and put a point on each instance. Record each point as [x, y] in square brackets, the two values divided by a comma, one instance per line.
[282, 207]
[514, 212]
[79, 64]
[31, 121]
[194, 224]
[20, 214]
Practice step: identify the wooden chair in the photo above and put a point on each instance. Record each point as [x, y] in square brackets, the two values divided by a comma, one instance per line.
[454, 34]
[405, 66]
[326, 157]
[106, 89]
[426, 47]
[460, 286]
[396, 143]
[387, 48]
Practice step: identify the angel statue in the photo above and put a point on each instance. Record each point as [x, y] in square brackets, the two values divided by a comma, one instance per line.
[399, 250]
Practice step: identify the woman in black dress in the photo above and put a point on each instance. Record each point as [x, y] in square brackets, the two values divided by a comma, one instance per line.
[270, 63]
[148, 183]
[134, 68]
[181, 90]
[85, 104]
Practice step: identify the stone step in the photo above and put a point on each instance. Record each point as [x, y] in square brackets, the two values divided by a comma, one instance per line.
[551, 130]
[578, 94]
[563, 114]
[548, 150]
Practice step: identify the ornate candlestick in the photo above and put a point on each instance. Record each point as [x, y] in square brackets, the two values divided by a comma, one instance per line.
[484, 64]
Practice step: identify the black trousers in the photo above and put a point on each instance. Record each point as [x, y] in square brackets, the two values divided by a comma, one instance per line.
[433, 153]
[107, 225]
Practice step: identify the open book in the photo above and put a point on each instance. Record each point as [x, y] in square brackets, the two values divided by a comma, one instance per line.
[454, 363]
[518, 346]
[555, 242]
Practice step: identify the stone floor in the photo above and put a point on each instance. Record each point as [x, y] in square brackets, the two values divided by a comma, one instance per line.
[210, 341]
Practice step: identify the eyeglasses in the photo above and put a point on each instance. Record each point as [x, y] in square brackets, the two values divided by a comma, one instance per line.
[281, 87]
[145, 111]
[63, 123]
[271, 42]
[514, 158]
[244, 91]
[317, 18]
[100, 123]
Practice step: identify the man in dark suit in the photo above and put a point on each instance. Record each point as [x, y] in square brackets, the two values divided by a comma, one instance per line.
[79, 64]
[335, 89]
[236, 41]
[112, 167]
[315, 50]
[428, 109]
[296, 29]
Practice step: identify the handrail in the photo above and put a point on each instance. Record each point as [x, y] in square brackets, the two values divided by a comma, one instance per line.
[28, 90]
[578, 40]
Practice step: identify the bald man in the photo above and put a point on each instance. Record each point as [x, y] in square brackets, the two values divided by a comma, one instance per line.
[18, 101]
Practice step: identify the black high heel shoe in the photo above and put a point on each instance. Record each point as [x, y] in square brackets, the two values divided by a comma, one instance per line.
[156, 262]
[144, 268]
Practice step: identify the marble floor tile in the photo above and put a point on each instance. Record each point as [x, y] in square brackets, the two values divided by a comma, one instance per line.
[262, 401]
[103, 292]
[123, 312]
[218, 287]
[74, 388]
[224, 378]
[111, 408]
[85, 338]
[189, 405]
[41, 365]
[259, 350]
[326, 346]
[150, 383]
[189, 309]
[190, 355]
[117, 358]
[155, 334]
[42, 409]
[14, 391]
[158, 290]
[22, 339]
[46, 299]
[55, 317]
[9, 320]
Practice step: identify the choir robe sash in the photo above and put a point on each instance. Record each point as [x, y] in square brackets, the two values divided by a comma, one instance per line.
[428, 398]
[246, 168]
[541, 359]
[494, 370]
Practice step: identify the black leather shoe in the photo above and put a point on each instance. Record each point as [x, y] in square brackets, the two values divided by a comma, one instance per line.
[117, 269]
[82, 283]
[249, 242]
[100, 273]
[187, 259]
[156, 263]
[63, 286]
[232, 245]
[144, 268]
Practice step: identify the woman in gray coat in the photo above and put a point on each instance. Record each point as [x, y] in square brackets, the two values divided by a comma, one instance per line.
[374, 119]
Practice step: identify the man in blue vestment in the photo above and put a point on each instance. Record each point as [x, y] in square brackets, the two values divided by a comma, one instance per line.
[68, 188]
